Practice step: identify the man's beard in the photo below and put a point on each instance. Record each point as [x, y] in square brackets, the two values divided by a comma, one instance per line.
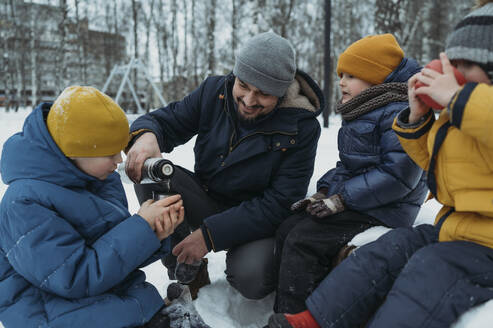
[248, 119]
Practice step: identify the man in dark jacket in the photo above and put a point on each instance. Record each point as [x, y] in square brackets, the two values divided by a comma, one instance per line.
[257, 136]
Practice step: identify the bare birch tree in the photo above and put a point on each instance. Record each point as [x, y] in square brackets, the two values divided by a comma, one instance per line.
[211, 28]
[34, 55]
[174, 47]
[81, 44]
[17, 58]
[60, 62]
[184, 71]
[148, 18]
[161, 40]
[5, 72]
[194, 46]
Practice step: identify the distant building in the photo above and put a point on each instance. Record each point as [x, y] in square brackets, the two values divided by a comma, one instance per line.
[35, 45]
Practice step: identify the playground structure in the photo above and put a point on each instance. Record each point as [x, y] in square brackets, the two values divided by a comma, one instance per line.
[124, 71]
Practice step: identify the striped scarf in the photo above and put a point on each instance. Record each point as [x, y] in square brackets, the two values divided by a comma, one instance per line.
[372, 98]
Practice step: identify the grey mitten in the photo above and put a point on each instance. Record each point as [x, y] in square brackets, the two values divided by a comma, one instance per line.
[303, 203]
[181, 310]
[326, 207]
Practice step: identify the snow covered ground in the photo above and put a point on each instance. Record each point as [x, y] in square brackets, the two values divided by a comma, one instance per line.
[219, 304]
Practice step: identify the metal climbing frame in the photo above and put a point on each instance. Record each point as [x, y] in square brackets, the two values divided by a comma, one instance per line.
[124, 70]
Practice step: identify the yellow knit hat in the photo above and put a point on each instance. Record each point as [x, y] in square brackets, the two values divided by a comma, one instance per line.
[85, 122]
[371, 58]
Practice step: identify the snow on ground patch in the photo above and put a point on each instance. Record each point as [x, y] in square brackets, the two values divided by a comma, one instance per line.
[368, 235]
[479, 317]
[222, 306]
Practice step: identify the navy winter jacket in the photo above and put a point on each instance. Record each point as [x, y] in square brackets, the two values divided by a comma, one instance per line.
[69, 248]
[260, 173]
[374, 175]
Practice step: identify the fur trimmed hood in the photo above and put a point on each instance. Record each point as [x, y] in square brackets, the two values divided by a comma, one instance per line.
[303, 94]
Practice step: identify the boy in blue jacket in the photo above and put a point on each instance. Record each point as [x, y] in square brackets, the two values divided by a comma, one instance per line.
[374, 183]
[70, 251]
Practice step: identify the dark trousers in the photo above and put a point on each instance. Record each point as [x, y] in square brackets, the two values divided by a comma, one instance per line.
[406, 278]
[305, 250]
[249, 267]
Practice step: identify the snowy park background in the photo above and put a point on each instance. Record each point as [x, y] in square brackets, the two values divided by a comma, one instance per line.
[219, 304]
[51, 44]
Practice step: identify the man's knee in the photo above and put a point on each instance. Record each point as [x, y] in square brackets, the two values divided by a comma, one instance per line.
[250, 268]
[250, 285]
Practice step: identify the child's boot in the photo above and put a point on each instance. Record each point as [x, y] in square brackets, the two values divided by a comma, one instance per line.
[300, 320]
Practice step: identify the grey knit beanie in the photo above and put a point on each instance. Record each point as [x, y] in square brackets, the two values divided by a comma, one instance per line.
[266, 61]
[472, 39]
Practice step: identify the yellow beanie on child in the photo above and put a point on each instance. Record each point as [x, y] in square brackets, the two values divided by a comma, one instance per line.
[85, 122]
[371, 58]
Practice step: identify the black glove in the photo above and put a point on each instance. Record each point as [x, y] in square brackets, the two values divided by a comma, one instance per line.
[326, 207]
[181, 311]
[303, 203]
[159, 320]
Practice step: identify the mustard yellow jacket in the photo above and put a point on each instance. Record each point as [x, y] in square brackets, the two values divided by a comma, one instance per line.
[457, 151]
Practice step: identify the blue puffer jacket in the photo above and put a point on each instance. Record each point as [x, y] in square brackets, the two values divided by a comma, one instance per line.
[258, 174]
[374, 175]
[69, 248]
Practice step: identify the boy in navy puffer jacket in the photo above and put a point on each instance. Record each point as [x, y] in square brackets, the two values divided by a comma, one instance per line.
[70, 251]
[374, 183]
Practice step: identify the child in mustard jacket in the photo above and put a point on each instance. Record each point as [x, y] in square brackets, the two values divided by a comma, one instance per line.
[427, 276]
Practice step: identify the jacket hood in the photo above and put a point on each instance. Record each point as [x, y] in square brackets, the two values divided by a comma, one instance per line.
[32, 154]
[303, 93]
[407, 68]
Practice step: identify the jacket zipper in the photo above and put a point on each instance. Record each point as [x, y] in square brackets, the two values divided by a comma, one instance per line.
[232, 147]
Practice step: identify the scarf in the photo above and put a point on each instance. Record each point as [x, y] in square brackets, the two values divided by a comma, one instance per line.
[372, 98]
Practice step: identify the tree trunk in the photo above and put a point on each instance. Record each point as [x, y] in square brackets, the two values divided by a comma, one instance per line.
[211, 26]
[437, 32]
[174, 48]
[234, 26]
[286, 15]
[16, 53]
[135, 12]
[34, 57]
[60, 63]
[195, 52]
[161, 40]
[327, 63]
[80, 45]
[184, 70]
[5, 71]
[148, 20]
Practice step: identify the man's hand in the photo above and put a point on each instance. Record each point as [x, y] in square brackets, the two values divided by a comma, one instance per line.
[191, 249]
[303, 203]
[146, 146]
[326, 207]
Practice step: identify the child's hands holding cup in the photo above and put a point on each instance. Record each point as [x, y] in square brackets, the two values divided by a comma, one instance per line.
[433, 87]
[438, 83]
[163, 215]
